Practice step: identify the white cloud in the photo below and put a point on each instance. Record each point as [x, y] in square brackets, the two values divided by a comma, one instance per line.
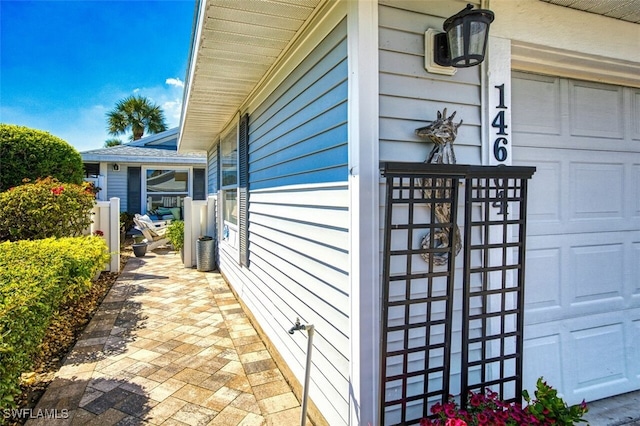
[172, 111]
[169, 97]
[174, 82]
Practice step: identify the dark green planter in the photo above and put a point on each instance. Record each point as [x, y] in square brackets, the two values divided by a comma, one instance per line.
[139, 249]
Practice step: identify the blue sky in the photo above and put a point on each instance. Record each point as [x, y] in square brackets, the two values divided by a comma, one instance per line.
[65, 64]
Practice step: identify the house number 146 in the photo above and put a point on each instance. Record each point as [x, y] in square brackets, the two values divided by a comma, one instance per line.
[499, 123]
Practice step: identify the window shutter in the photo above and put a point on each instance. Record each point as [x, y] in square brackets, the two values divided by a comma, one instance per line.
[199, 184]
[134, 190]
[243, 202]
[218, 167]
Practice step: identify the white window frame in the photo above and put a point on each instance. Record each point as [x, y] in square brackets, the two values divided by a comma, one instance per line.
[143, 178]
[229, 238]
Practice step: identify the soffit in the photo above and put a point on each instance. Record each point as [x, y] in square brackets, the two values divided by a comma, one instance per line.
[626, 10]
[235, 45]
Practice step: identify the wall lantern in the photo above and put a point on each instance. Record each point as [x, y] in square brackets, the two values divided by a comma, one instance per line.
[463, 44]
[116, 167]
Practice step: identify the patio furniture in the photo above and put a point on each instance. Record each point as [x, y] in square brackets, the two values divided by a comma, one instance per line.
[154, 235]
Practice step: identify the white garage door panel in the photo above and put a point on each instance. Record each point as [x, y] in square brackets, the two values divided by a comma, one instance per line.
[635, 270]
[543, 349]
[586, 358]
[543, 293]
[596, 110]
[581, 274]
[633, 354]
[538, 90]
[577, 191]
[562, 113]
[635, 112]
[598, 361]
[582, 293]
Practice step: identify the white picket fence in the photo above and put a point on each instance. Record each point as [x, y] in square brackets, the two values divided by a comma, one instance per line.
[99, 182]
[106, 218]
[199, 220]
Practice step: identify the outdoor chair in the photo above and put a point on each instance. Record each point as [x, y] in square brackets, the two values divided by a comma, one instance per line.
[154, 235]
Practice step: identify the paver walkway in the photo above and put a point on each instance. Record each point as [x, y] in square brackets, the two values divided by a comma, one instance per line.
[168, 346]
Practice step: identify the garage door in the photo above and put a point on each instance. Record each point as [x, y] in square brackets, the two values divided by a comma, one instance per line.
[582, 317]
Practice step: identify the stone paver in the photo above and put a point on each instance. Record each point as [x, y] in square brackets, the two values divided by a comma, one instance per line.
[168, 346]
[620, 410]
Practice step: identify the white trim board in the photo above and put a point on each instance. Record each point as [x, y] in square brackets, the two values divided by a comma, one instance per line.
[364, 146]
[576, 65]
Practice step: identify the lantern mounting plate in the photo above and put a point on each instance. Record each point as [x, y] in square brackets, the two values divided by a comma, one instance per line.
[430, 53]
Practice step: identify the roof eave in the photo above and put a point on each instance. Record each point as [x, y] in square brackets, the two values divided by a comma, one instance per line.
[97, 158]
[233, 49]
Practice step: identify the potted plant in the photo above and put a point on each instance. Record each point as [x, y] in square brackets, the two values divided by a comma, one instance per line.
[139, 246]
[175, 234]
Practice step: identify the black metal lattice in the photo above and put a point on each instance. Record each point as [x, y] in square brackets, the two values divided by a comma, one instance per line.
[419, 290]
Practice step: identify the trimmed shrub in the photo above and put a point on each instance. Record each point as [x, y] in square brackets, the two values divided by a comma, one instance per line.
[32, 154]
[45, 208]
[36, 278]
[175, 234]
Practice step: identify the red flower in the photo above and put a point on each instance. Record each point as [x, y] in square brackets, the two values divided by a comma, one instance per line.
[437, 408]
[98, 233]
[476, 400]
[449, 411]
[58, 190]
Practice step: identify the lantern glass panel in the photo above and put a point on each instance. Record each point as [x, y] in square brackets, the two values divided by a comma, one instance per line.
[477, 38]
[456, 41]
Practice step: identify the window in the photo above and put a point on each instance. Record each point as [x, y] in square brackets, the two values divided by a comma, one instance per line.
[229, 160]
[229, 187]
[166, 187]
[233, 157]
[91, 170]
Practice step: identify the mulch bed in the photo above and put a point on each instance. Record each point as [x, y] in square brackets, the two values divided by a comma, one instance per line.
[65, 329]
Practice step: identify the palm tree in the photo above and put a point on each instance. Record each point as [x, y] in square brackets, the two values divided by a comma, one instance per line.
[112, 142]
[138, 114]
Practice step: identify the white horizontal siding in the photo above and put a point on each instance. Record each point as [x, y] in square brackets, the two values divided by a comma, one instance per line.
[298, 243]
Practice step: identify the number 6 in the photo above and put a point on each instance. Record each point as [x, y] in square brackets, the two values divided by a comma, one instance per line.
[499, 151]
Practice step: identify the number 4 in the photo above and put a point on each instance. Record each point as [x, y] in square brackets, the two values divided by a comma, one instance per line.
[498, 123]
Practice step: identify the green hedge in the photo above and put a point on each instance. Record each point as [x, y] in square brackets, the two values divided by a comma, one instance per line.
[30, 153]
[36, 278]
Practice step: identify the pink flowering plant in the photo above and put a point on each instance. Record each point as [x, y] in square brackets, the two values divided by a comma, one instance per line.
[488, 410]
[45, 208]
